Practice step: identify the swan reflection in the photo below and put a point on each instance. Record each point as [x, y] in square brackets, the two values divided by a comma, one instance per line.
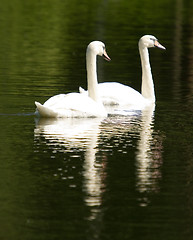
[148, 158]
[68, 132]
[82, 134]
[90, 136]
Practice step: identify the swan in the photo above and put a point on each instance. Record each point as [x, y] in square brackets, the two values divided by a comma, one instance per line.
[76, 104]
[114, 93]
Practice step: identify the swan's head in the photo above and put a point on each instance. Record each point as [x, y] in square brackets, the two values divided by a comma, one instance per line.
[98, 48]
[150, 41]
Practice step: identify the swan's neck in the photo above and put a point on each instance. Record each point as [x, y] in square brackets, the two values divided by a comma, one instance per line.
[147, 87]
[92, 76]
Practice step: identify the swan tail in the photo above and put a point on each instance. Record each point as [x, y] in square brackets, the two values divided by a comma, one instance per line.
[44, 111]
[81, 90]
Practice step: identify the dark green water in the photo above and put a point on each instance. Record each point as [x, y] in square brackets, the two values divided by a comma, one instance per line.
[116, 178]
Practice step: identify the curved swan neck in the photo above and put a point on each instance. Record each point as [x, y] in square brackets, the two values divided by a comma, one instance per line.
[92, 75]
[147, 87]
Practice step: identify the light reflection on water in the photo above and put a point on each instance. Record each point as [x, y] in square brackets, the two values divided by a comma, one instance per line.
[92, 135]
[149, 157]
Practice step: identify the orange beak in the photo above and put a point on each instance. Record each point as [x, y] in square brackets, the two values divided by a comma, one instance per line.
[105, 56]
[157, 44]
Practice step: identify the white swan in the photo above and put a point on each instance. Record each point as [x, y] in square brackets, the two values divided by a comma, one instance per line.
[113, 93]
[76, 104]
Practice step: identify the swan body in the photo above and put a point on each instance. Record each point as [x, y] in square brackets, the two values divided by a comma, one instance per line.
[120, 94]
[113, 93]
[76, 104]
[70, 105]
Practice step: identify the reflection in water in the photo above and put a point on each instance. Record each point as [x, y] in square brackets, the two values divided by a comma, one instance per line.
[178, 48]
[81, 133]
[66, 134]
[149, 159]
[92, 175]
